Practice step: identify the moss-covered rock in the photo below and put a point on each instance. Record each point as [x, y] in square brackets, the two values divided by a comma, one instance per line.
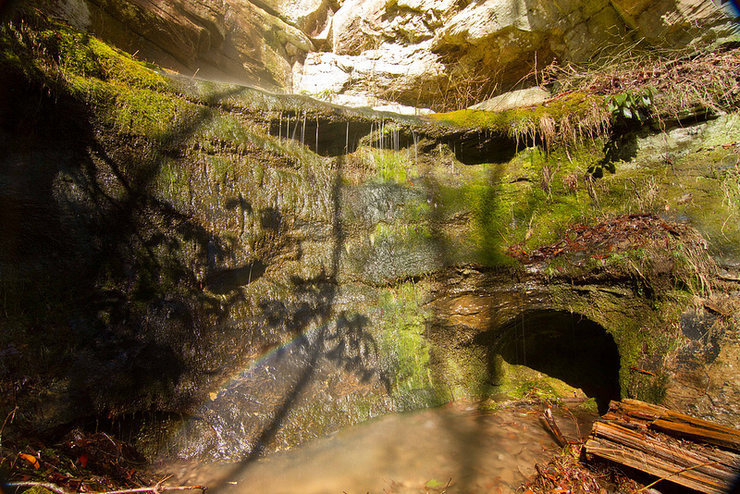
[274, 268]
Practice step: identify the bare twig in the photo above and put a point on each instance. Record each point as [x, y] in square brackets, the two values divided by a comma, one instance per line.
[554, 427]
[642, 371]
[575, 422]
[45, 485]
[155, 489]
[10, 418]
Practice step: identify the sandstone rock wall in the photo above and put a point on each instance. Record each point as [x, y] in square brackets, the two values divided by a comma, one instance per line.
[421, 53]
[235, 40]
[456, 53]
[180, 246]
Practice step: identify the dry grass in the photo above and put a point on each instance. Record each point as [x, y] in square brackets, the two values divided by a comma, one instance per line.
[647, 194]
[464, 87]
[459, 87]
[681, 82]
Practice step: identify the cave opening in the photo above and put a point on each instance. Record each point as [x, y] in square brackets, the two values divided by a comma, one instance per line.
[563, 345]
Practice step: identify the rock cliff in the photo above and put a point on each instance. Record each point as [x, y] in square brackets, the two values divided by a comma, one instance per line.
[419, 53]
[233, 270]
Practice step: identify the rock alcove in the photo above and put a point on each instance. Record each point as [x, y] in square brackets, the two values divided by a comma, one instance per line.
[566, 346]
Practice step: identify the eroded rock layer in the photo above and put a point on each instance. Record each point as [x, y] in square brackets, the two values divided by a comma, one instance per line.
[233, 271]
[418, 53]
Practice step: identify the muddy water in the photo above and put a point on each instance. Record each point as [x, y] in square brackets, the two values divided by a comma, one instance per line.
[460, 448]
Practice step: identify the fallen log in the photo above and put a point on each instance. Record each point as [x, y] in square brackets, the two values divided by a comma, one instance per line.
[674, 423]
[672, 446]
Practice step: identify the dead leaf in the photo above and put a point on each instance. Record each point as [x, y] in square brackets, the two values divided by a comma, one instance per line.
[30, 459]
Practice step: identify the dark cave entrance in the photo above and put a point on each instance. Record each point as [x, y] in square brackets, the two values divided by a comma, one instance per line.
[562, 345]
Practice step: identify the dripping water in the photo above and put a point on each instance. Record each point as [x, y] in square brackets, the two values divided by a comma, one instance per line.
[295, 129]
[416, 149]
[346, 140]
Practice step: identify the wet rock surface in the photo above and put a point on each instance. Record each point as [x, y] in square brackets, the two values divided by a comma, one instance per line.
[273, 268]
[369, 53]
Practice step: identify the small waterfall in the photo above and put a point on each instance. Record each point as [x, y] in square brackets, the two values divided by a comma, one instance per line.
[295, 129]
[416, 147]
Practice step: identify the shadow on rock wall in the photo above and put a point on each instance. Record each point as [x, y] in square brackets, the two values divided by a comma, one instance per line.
[102, 280]
[123, 299]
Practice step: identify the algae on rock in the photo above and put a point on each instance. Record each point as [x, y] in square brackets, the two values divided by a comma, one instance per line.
[172, 241]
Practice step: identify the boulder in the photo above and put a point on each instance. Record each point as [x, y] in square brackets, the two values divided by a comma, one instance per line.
[310, 16]
[322, 74]
[514, 99]
[675, 22]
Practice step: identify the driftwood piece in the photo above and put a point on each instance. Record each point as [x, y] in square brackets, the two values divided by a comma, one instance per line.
[669, 445]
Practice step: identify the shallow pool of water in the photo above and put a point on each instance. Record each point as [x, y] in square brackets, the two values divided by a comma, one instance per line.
[458, 448]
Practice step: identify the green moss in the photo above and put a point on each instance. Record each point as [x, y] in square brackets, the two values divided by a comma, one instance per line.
[121, 92]
[129, 95]
[415, 212]
[221, 169]
[391, 165]
[137, 111]
[86, 56]
[219, 129]
[520, 382]
[464, 372]
[704, 189]
[401, 232]
[174, 180]
[566, 119]
[529, 201]
[405, 349]
[482, 202]
[651, 389]
[37, 489]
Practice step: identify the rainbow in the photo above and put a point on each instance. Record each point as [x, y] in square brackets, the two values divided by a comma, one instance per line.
[267, 359]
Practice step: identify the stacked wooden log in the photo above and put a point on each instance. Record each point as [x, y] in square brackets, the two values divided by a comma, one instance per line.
[672, 446]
